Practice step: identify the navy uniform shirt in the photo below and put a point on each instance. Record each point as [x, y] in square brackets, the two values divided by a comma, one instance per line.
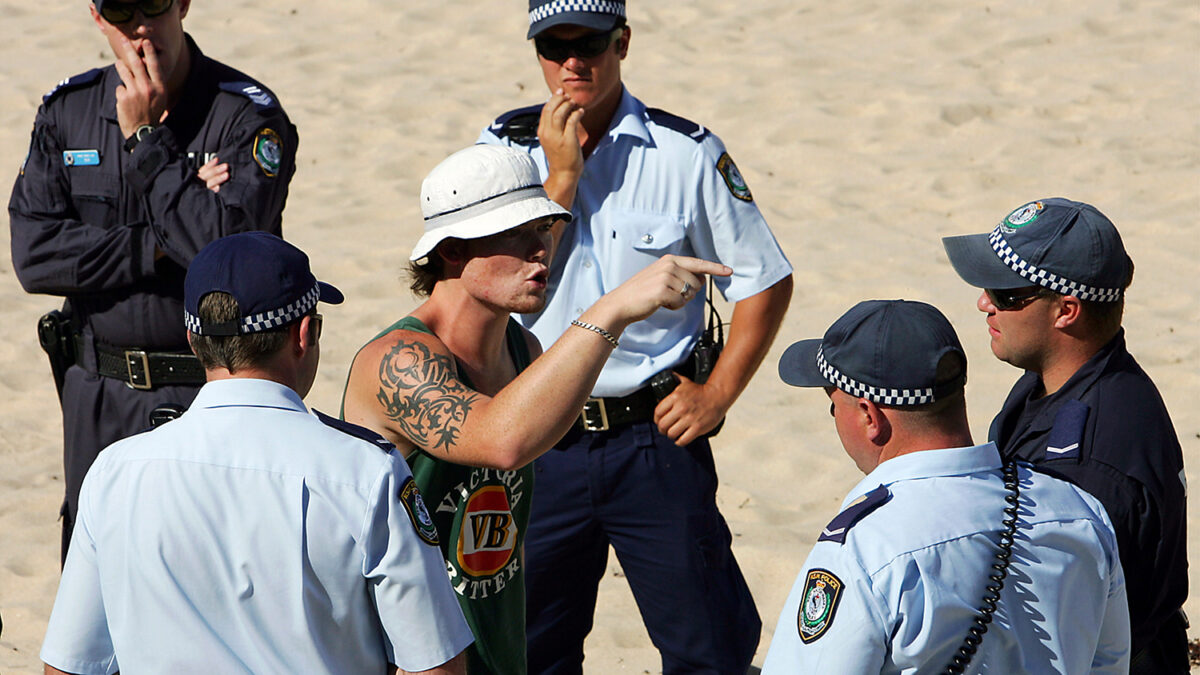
[1120, 446]
[87, 215]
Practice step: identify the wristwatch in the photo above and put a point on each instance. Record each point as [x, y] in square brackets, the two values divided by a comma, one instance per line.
[138, 136]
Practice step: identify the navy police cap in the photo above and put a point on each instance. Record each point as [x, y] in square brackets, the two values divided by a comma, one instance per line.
[1066, 246]
[886, 351]
[268, 277]
[600, 15]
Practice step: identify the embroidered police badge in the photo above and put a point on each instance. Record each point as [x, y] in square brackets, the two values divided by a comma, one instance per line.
[1022, 217]
[733, 178]
[268, 151]
[410, 496]
[818, 602]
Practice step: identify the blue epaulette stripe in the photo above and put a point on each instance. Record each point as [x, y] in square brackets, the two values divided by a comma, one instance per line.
[676, 123]
[73, 83]
[838, 527]
[355, 431]
[1067, 433]
[259, 96]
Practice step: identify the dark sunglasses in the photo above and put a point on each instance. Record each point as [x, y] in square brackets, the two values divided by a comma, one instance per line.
[584, 47]
[320, 320]
[1005, 299]
[120, 12]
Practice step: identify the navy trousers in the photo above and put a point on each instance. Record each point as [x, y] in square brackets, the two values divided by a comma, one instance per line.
[655, 503]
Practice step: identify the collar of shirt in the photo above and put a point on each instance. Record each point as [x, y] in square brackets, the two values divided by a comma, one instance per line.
[928, 464]
[248, 392]
[629, 119]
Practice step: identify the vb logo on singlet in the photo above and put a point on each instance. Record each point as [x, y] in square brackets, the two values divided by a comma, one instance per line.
[489, 532]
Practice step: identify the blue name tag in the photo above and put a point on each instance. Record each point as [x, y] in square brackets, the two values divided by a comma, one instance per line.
[81, 157]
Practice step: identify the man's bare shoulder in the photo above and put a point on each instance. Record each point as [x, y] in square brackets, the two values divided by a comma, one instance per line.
[406, 385]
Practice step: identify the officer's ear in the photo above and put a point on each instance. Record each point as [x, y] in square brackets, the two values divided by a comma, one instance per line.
[183, 8]
[1068, 312]
[878, 426]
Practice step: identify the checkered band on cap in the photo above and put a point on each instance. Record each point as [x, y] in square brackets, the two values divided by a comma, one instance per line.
[879, 395]
[591, 6]
[274, 318]
[1048, 279]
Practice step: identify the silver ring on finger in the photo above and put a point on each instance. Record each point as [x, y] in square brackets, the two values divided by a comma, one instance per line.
[686, 287]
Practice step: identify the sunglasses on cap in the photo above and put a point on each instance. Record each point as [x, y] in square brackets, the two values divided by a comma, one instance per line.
[1005, 299]
[120, 12]
[585, 47]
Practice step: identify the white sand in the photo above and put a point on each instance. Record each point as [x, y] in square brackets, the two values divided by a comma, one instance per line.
[867, 130]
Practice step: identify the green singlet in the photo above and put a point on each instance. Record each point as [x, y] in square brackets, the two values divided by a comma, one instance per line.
[481, 516]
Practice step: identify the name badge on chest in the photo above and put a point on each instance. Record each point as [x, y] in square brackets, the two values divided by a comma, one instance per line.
[81, 158]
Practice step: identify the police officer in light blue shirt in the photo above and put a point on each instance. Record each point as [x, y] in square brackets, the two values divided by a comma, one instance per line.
[942, 559]
[637, 472]
[250, 534]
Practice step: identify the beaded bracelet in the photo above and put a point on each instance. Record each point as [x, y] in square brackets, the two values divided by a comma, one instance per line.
[598, 330]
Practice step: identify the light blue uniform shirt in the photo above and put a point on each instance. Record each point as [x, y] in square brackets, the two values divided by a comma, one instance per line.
[248, 537]
[899, 595]
[651, 187]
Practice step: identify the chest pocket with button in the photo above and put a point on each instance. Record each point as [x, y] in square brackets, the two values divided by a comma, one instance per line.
[642, 238]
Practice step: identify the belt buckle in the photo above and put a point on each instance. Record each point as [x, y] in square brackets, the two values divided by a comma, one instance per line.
[135, 359]
[593, 408]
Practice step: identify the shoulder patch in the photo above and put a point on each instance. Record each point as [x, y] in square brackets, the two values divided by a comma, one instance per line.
[676, 123]
[410, 496]
[268, 151]
[354, 430]
[733, 178]
[262, 99]
[838, 527]
[818, 604]
[75, 82]
[519, 126]
[1067, 433]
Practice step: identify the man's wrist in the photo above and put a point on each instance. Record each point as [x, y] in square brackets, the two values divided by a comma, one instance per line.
[139, 134]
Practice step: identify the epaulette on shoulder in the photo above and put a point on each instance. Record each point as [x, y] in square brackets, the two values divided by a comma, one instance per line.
[676, 123]
[1066, 436]
[75, 82]
[355, 431]
[519, 126]
[838, 527]
[262, 99]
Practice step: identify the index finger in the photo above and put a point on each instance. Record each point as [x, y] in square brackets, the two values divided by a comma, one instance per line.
[152, 67]
[127, 55]
[700, 266]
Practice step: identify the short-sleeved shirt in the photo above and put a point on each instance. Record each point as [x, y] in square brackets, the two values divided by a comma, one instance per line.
[248, 536]
[1120, 446]
[481, 516]
[656, 184]
[896, 590]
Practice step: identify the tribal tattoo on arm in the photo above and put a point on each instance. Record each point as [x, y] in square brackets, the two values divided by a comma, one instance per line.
[420, 391]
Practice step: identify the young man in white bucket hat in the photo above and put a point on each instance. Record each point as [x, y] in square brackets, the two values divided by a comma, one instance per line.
[467, 394]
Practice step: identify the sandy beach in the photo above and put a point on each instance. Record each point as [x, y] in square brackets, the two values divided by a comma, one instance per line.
[866, 130]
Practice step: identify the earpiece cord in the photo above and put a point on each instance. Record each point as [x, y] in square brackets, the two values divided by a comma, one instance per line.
[991, 595]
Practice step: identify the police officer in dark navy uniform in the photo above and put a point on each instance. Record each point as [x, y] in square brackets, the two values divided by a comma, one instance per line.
[131, 170]
[1055, 273]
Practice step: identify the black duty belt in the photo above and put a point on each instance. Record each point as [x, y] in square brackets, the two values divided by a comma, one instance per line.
[141, 369]
[602, 414]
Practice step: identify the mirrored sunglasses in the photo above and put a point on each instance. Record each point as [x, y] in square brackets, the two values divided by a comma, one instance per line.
[120, 12]
[584, 47]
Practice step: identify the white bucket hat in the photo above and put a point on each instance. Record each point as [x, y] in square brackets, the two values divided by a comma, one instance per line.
[480, 191]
